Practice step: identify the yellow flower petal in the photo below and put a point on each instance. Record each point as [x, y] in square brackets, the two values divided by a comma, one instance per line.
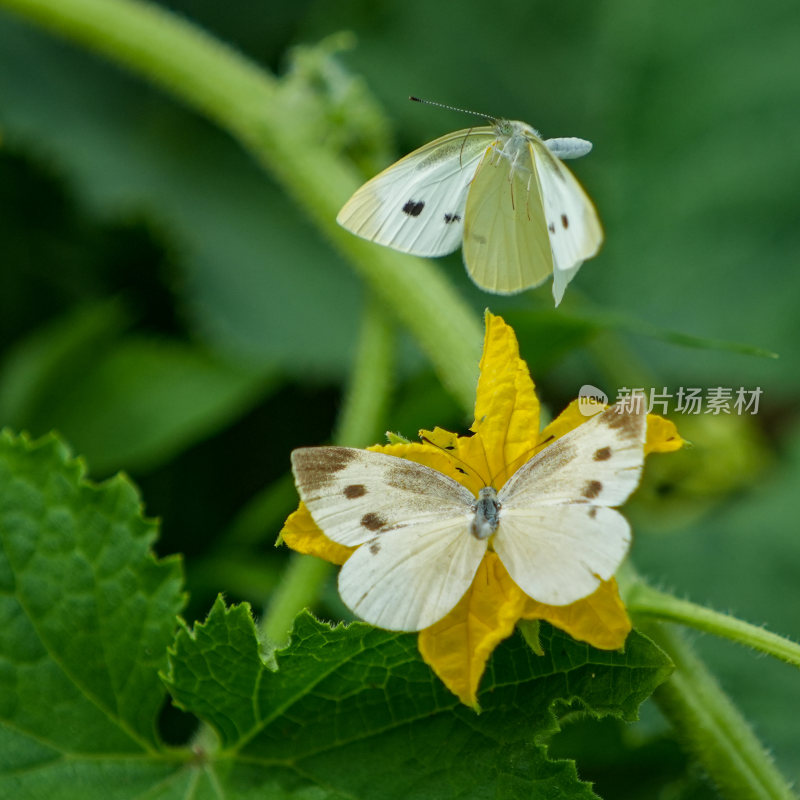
[662, 436]
[599, 619]
[301, 533]
[569, 419]
[506, 408]
[458, 646]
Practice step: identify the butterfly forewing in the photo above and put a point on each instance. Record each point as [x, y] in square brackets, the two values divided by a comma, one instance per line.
[418, 204]
[506, 247]
[354, 495]
[598, 462]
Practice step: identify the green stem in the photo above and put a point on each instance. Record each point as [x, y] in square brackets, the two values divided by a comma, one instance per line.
[711, 727]
[362, 414]
[264, 514]
[367, 396]
[642, 600]
[258, 111]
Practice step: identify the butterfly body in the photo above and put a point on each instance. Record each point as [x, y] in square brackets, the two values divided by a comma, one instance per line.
[421, 535]
[501, 191]
[487, 513]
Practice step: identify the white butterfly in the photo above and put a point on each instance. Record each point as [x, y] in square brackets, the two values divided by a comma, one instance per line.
[421, 535]
[501, 191]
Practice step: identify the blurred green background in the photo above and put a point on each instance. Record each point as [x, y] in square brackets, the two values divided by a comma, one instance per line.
[166, 307]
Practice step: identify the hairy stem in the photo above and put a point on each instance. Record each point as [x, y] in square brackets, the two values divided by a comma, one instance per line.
[642, 600]
[711, 727]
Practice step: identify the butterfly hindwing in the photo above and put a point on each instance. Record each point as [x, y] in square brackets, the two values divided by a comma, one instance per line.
[559, 554]
[417, 205]
[408, 579]
[354, 495]
[506, 247]
[572, 224]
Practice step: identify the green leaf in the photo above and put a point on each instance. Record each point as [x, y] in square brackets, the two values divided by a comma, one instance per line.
[36, 369]
[246, 255]
[150, 398]
[354, 712]
[86, 614]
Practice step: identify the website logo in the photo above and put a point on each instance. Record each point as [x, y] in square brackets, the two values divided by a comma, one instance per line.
[591, 400]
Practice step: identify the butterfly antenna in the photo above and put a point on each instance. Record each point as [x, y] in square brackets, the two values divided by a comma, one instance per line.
[454, 457]
[488, 117]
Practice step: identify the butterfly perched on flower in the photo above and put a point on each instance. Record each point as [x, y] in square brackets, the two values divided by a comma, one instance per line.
[499, 191]
[421, 535]
[408, 580]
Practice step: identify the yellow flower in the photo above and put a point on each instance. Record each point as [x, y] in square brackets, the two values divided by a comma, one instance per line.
[505, 434]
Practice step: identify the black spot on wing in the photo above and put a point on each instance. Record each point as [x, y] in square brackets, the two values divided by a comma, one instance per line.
[374, 522]
[591, 489]
[413, 208]
[565, 221]
[551, 228]
[603, 454]
[592, 512]
[448, 218]
[355, 490]
[374, 547]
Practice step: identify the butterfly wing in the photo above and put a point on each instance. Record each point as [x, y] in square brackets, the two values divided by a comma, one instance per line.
[559, 554]
[572, 224]
[558, 535]
[506, 245]
[417, 204]
[418, 556]
[354, 495]
[408, 579]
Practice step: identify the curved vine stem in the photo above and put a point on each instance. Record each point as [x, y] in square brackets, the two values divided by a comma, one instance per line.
[642, 600]
[252, 106]
[710, 726]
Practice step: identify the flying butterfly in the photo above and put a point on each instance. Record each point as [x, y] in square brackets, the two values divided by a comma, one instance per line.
[500, 191]
[420, 535]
